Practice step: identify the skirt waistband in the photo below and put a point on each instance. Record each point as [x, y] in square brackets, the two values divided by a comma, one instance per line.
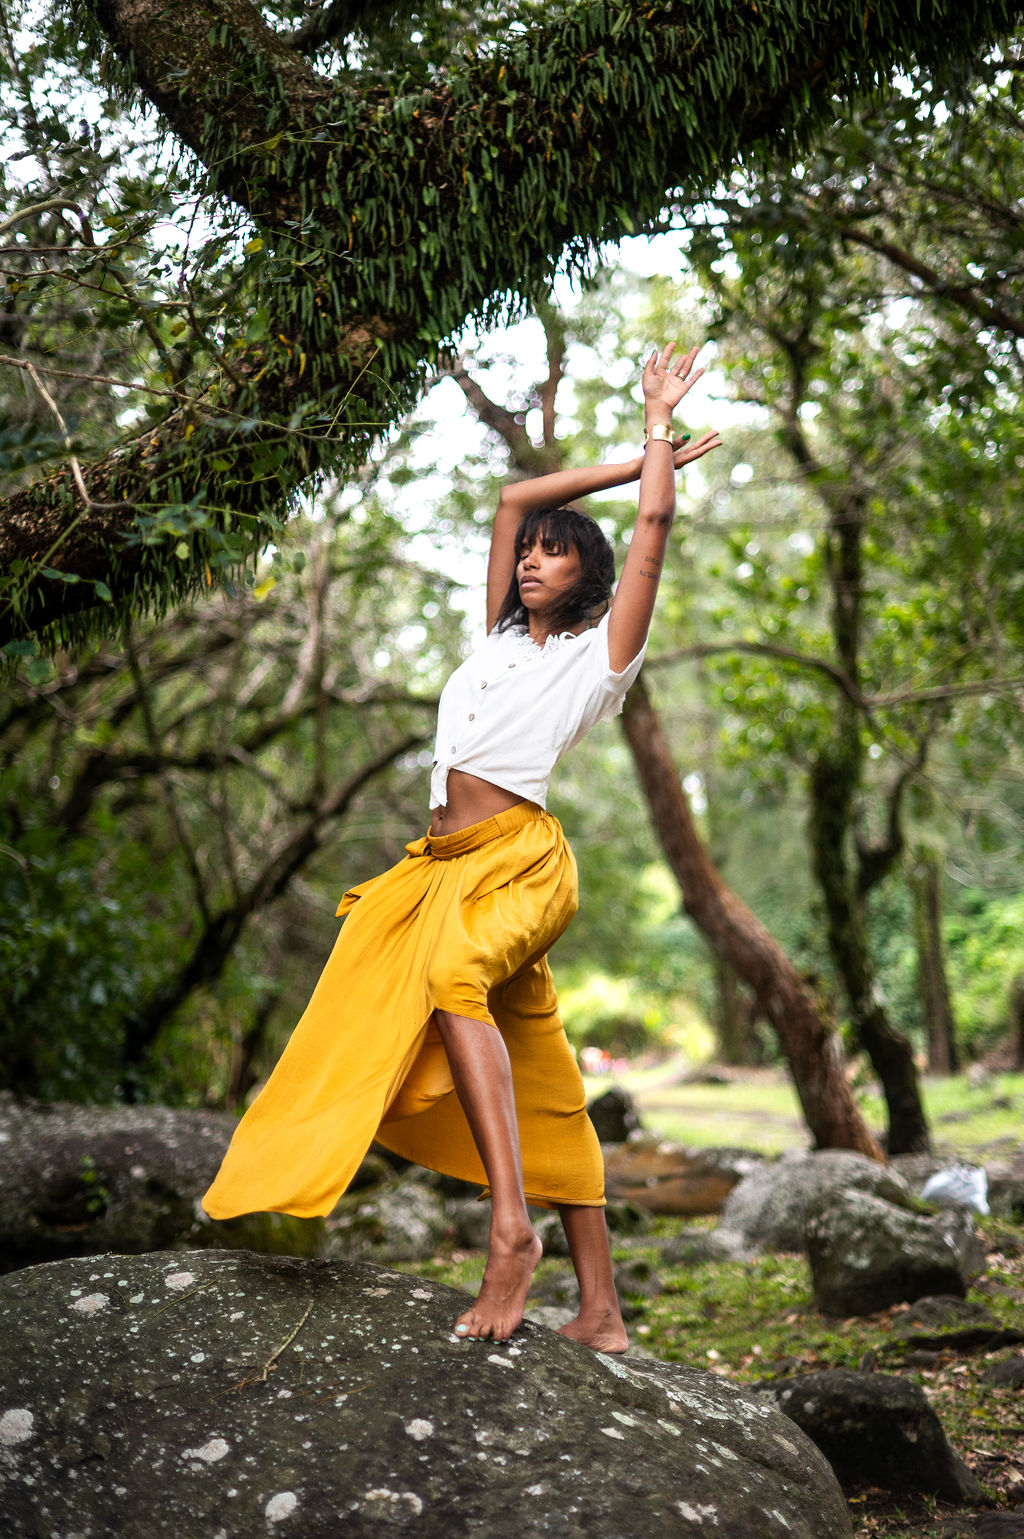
[444, 846]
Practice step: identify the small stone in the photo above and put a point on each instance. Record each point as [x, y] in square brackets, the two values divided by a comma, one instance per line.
[91, 1304]
[210, 1452]
[1007, 1374]
[15, 1427]
[280, 1506]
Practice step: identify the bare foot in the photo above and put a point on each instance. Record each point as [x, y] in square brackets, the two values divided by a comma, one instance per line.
[603, 1332]
[502, 1299]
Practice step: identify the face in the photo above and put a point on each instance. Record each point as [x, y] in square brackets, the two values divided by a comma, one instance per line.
[544, 576]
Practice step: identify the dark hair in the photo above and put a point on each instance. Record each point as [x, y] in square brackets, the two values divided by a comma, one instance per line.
[560, 530]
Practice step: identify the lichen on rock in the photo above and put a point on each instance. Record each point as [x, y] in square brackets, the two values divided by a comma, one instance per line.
[317, 1397]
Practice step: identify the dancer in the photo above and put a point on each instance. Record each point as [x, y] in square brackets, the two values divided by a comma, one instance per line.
[434, 1027]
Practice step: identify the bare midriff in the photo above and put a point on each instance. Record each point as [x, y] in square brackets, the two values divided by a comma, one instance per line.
[470, 800]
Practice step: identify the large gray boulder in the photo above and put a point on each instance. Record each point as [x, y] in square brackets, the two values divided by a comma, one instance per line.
[769, 1207]
[875, 1429]
[1006, 1186]
[84, 1180]
[866, 1254]
[225, 1395]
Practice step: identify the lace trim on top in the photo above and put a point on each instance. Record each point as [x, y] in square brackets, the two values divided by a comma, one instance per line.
[524, 646]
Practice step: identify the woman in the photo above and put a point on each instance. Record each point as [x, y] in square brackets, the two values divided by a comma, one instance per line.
[434, 1027]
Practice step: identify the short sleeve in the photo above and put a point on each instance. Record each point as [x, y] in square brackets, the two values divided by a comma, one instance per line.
[604, 689]
[615, 683]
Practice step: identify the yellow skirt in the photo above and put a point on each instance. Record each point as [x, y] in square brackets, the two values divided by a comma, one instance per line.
[462, 924]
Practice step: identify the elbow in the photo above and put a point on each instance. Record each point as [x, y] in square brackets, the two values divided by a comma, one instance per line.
[510, 507]
[659, 517]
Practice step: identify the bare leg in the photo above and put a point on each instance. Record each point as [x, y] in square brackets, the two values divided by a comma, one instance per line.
[599, 1322]
[482, 1076]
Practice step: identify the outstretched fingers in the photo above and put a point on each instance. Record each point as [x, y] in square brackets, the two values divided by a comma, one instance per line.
[693, 451]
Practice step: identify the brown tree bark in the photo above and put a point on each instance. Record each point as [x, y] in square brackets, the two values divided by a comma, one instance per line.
[812, 1048]
[1015, 1009]
[925, 877]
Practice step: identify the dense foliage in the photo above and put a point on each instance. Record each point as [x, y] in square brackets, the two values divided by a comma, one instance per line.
[375, 218]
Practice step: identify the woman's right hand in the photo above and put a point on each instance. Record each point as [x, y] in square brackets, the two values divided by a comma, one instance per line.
[665, 383]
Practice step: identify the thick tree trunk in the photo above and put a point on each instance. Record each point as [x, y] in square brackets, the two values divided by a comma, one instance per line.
[811, 1047]
[925, 879]
[834, 782]
[831, 783]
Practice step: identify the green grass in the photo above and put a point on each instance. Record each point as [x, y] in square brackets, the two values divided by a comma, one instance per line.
[972, 1119]
[762, 1112]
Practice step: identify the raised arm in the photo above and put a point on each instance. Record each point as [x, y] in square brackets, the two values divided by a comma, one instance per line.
[553, 491]
[664, 385]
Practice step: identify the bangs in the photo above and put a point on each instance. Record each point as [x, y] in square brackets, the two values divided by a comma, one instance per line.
[552, 528]
[559, 531]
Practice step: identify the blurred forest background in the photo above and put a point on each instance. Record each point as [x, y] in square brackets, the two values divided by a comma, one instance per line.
[835, 663]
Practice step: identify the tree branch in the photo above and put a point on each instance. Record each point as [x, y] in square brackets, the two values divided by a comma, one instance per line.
[768, 649]
[387, 220]
[221, 930]
[966, 296]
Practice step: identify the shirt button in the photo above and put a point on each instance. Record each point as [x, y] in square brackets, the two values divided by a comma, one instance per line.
[483, 684]
[454, 749]
[472, 716]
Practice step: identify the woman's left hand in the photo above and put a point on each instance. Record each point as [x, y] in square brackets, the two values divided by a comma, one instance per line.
[665, 382]
[683, 451]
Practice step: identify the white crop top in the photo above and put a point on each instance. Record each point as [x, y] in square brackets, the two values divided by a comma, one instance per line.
[513, 708]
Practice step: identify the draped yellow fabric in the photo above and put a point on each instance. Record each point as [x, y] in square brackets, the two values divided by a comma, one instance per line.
[462, 924]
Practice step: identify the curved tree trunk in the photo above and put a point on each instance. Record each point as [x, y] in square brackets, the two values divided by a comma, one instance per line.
[834, 782]
[812, 1048]
[831, 817]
